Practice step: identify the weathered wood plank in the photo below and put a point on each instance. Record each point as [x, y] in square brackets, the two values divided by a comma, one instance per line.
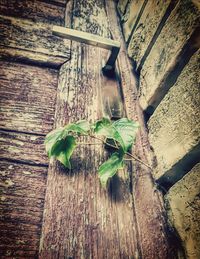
[23, 183]
[153, 240]
[183, 201]
[22, 191]
[170, 53]
[23, 148]
[31, 57]
[56, 2]
[28, 96]
[14, 227]
[37, 11]
[22, 254]
[18, 37]
[133, 12]
[174, 128]
[81, 220]
[151, 21]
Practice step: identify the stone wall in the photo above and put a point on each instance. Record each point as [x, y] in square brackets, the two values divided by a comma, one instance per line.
[163, 42]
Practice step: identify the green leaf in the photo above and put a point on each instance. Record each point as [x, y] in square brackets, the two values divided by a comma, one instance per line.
[84, 125]
[123, 131]
[81, 127]
[127, 130]
[51, 139]
[104, 127]
[109, 168]
[63, 150]
[61, 144]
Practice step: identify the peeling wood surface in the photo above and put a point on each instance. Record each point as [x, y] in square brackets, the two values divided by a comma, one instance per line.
[27, 108]
[31, 57]
[164, 63]
[153, 238]
[56, 2]
[28, 96]
[81, 220]
[37, 11]
[23, 147]
[21, 209]
[23, 39]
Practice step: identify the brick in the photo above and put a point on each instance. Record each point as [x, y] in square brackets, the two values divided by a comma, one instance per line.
[121, 6]
[130, 17]
[147, 26]
[164, 61]
[174, 128]
[183, 201]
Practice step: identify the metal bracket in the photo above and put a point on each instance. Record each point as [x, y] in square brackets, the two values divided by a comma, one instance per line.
[93, 40]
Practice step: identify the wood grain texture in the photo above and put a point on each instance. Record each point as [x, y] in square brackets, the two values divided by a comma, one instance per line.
[174, 128]
[131, 16]
[152, 19]
[153, 236]
[31, 57]
[22, 190]
[24, 148]
[34, 10]
[27, 105]
[170, 52]
[81, 220]
[28, 96]
[23, 39]
[56, 2]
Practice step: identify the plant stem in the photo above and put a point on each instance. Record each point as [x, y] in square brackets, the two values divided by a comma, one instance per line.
[127, 153]
[85, 143]
[137, 159]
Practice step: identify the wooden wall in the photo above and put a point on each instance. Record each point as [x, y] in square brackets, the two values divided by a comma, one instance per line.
[162, 39]
[29, 59]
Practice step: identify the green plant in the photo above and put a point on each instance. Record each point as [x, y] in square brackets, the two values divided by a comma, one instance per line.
[120, 135]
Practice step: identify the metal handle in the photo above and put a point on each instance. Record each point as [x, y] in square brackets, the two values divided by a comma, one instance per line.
[93, 40]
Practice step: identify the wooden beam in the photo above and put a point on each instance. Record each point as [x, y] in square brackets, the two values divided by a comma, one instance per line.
[31, 42]
[81, 220]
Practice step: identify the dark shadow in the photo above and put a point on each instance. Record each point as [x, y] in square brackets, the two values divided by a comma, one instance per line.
[183, 166]
[115, 189]
[79, 164]
[118, 188]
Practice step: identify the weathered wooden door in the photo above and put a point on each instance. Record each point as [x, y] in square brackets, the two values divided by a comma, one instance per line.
[39, 91]
[29, 66]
